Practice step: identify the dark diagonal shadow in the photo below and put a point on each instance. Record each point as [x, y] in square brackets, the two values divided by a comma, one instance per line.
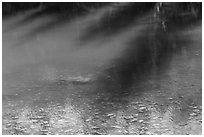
[146, 56]
[115, 21]
[60, 13]
[57, 9]
[51, 10]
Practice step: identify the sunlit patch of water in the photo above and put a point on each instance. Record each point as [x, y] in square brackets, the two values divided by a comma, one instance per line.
[161, 123]
[69, 121]
[167, 122]
[56, 119]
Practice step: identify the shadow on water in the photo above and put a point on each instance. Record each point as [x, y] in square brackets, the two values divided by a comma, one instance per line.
[114, 22]
[146, 57]
[61, 12]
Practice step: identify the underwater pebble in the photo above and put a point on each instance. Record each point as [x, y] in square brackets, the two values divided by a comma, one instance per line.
[89, 119]
[9, 124]
[47, 125]
[141, 105]
[110, 115]
[193, 114]
[154, 103]
[148, 133]
[196, 110]
[170, 98]
[14, 118]
[116, 126]
[183, 124]
[34, 120]
[142, 108]
[134, 120]
[32, 126]
[128, 117]
[136, 115]
[45, 122]
[134, 103]
[95, 127]
[97, 133]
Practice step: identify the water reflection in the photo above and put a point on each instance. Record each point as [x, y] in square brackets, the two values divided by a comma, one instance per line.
[54, 119]
[128, 85]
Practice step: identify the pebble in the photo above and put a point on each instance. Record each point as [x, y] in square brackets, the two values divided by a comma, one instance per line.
[134, 120]
[142, 108]
[196, 110]
[136, 115]
[34, 120]
[32, 126]
[66, 121]
[144, 128]
[110, 115]
[97, 133]
[141, 105]
[183, 124]
[141, 111]
[200, 107]
[128, 117]
[116, 126]
[96, 117]
[148, 133]
[61, 121]
[193, 114]
[134, 103]
[67, 130]
[176, 102]
[89, 119]
[44, 130]
[39, 117]
[9, 124]
[14, 118]
[154, 103]
[47, 125]
[95, 127]
[155, 118]
[45, 122]
[140, 121]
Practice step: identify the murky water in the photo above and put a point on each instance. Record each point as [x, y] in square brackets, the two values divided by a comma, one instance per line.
[58, 82]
